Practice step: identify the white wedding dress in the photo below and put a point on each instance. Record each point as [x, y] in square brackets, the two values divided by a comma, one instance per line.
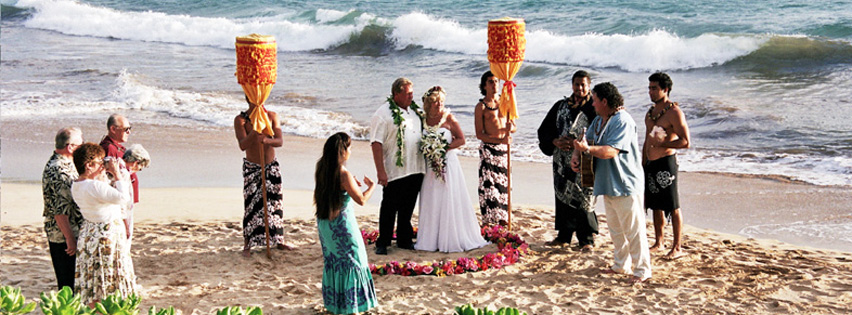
[447, 218]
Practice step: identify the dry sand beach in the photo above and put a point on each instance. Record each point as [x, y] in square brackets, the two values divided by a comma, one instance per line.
[188, 239]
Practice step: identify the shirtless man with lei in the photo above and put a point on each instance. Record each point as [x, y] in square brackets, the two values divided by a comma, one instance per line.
[665, 132]
[495, 131]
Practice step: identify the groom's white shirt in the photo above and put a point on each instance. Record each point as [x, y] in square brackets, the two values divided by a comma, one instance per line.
[383, 130]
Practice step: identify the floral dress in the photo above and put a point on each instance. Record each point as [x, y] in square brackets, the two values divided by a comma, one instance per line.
[104, 265]
[347, 284]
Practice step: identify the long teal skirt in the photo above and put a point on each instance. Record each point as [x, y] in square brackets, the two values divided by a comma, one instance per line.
[347, 285]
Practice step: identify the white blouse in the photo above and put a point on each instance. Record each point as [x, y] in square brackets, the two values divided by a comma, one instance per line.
[100, 202]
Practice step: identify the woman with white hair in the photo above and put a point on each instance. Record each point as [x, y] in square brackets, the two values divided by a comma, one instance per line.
[135, 158]
[447, 217]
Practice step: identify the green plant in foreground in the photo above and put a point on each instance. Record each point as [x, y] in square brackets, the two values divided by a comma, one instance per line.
[164, 311]
[65, 302]
[236, 310]
[114, 304]
[12, 302]
[468, 309]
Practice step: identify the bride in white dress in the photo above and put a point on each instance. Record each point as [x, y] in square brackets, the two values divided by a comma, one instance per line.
[447, 218]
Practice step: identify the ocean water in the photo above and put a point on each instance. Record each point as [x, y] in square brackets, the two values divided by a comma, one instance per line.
[766, 86]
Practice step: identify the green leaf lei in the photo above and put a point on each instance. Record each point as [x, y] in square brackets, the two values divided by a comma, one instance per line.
[400, 134]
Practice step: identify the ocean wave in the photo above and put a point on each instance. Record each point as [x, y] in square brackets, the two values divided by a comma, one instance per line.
[10, 12]
[818, 170]
[362, 33]
[800, 52]
[71, 17]
[131, 92]
[837, 234]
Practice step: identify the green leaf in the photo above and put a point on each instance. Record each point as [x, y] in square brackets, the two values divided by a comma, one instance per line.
[115, 304]
[230, 310]
[63, 302]
[12, 302]
[166, 311]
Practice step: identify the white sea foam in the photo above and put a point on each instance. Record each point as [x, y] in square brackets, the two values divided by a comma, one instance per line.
[76, 18]
[830, 234]
[438, 34]
[811, 169]
[326, 16]
[655, 50]
[209, 108]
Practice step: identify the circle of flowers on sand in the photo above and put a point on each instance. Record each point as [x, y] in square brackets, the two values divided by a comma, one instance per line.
[510, 248]
[396, 112]
[434, 147]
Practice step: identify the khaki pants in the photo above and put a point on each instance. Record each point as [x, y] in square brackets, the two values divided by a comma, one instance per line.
[626, 221]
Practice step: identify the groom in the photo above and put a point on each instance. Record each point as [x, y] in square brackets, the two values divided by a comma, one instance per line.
[395, 131]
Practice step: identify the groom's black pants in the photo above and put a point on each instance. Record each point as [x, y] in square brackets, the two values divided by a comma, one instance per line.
[399, 198]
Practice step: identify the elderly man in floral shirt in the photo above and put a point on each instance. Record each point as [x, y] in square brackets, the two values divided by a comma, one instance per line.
[62, 217]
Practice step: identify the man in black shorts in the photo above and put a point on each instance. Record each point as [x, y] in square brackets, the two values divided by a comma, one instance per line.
[665, 132]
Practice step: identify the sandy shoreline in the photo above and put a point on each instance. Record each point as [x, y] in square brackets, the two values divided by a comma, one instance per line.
[189, 236]
[196, 267]
[199, 157]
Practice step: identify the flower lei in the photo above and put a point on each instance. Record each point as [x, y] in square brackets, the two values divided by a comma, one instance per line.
[510, 249]
[434, 147]
[400, 131]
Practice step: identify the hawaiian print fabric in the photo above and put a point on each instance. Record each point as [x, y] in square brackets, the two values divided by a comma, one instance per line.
[253, 228]
[494, 182]
[103, 264]
[661, 185]
[570, 121]
[347, 283]
[59, 173]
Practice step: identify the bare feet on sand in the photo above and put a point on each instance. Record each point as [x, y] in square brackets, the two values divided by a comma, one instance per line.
[608, 271]
[555, 242]
[636, 280]
[246, 253]
[657, 246]
[675, 253]
[284, 246]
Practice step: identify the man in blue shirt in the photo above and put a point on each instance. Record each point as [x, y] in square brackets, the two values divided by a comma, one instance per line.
[619, 179]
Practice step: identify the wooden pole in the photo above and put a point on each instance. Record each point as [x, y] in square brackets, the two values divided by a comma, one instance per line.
[265, 205]
[509, 189]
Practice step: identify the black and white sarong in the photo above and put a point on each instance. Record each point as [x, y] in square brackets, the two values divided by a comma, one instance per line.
[494, 182]
[253, 228]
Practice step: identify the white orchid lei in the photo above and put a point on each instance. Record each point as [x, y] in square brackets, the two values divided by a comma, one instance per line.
[400, 134]
[434, 148]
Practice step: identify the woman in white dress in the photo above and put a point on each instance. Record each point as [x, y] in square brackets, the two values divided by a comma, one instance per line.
[104, 265]
[447, 218]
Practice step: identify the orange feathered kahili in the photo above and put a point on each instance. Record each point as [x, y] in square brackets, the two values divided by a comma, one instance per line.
[506, 48]
[257, 71]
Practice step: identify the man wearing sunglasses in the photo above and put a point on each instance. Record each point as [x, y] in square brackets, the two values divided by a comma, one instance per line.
[118, 130]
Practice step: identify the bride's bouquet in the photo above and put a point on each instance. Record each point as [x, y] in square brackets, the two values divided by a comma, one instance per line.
[434, 148]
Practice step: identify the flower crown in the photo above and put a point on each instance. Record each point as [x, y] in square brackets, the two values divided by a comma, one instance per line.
[433, 90]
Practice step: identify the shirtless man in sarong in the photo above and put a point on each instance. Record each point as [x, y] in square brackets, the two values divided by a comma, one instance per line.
[251, 141]
[495, 131]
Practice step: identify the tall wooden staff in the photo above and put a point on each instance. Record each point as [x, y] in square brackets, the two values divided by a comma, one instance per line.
[257, 71]
[506, 47]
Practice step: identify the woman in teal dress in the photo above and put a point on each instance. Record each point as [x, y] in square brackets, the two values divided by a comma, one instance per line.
[347, 285]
